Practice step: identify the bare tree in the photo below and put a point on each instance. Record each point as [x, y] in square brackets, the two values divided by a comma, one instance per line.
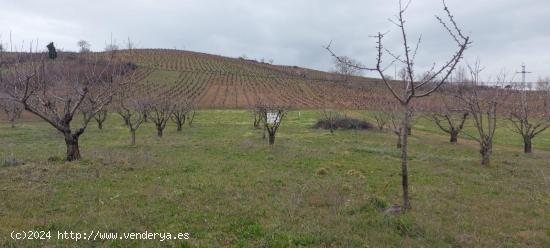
[100, 118]
[84, 46]
[180, 113]
[131, 112]
[448, 116]
[347, 67]
[543, 84]
[162, 109]
[257, 116]
[272, 116]
[482, 103]
[12, 109]
[56, 90]
[412, 88]
[529, 112]
[191, 117]
[380, 118]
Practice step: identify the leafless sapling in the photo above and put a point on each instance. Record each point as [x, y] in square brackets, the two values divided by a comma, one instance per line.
[411, 87]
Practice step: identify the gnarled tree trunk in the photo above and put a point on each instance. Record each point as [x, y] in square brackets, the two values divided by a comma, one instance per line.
[73, 151]
[271, 138]
[527, 144]
[160, 130]
[485, 152]
[454, 136]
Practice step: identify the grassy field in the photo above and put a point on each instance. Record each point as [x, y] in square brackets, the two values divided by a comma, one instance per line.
[224, 185]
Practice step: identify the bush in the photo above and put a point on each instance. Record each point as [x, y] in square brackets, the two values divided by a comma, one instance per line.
[342, 122]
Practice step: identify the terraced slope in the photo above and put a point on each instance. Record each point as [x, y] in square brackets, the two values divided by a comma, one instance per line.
[212, 81]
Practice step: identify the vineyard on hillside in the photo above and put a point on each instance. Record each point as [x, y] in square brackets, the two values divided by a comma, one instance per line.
[211, 81]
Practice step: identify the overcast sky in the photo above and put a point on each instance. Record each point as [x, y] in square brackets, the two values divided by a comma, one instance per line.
[291, 32]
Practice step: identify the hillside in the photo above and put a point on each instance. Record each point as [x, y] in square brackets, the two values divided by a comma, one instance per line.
[220, 82]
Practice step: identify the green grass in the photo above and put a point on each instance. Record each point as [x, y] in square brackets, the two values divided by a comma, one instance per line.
[223, 184]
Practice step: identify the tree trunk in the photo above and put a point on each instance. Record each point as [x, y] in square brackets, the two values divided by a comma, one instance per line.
[73, 151]
[485, 155]
[271, 138]
[398, 145]
[404, 160]
[179, 126]
[100, 125]
[12, 124]
[454, 137]
[159, 132]
[133, 137]
[527, 145]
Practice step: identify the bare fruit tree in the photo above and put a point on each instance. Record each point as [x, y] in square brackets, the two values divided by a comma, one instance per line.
[12, 109]
[529, 112]
[483, 103]
[346, 67]
[448, 116]
[272, 116]
[56, 90]
[162, 109]
[181, 112]
[131, 112]
[411, 87]
[100, 118]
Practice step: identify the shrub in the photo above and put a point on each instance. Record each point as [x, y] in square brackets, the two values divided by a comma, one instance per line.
[342, 122]
[321, 172]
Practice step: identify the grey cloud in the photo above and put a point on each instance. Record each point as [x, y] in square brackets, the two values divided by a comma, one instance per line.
[505, 32]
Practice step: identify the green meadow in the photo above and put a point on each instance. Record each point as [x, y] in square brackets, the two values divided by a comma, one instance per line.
[223, 184]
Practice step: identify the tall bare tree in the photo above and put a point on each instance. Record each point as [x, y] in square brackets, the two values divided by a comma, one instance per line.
[410, 87]
[56, 90]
